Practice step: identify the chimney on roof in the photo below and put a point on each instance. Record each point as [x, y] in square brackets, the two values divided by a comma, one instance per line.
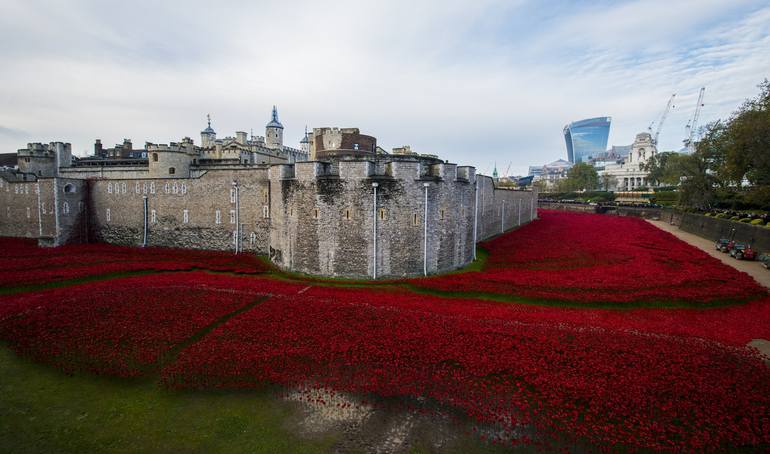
[240, 137]
[98, 149]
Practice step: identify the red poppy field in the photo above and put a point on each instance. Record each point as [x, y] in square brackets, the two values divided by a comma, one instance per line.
[28, 265]
[626, 373]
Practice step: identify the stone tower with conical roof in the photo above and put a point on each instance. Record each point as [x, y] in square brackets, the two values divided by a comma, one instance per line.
[304, 144]
[208, 136]
[274, 131]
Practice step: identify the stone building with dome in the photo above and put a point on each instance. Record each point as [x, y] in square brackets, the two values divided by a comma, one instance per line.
[628, 174]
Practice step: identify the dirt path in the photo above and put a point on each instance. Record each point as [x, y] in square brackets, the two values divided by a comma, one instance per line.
[753, 269]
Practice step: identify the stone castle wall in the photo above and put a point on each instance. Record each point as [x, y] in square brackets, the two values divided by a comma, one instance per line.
[324, 217]
[310, 217]
[196, 213]
[502, 209]
[49, 209]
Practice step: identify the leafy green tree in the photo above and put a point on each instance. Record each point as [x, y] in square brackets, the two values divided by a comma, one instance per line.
[581, 177]
[657, 166]
[731, 163]
[697, 185]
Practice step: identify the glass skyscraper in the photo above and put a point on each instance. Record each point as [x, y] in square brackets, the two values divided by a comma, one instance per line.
[586, 138]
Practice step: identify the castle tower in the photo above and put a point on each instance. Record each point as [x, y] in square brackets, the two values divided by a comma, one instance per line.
[172, 160]
[304, 144]
[208, 136]
[274, 132]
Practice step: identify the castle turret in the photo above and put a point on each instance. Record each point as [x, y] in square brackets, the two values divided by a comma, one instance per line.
[208, 136]
[341, 143]
[304, 144]
[274, 132]
[44, 160]
[172, 160]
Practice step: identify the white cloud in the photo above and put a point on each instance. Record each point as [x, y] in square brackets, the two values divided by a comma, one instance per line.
[475, 82]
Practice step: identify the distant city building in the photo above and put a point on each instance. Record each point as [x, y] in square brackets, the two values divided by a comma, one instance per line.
[586, 139]
[550, 173]
[627, 174]
[614, 155]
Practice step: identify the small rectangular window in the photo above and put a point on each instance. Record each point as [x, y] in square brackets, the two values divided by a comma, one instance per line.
[315, 213]
[382, 214]
[28, 213]
[185, 216]
[265, 212]
[347, 215]
[232, 216]
[153, 216]
[232, 195]
[217, 217]
[442, 215]
[415, 219]
[108, 215]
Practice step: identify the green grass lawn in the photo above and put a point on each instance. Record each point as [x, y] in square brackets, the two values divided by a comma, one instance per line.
[44, 410]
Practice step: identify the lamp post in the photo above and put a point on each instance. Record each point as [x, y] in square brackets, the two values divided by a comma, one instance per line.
[39, 210]
[502, 218]
[144, 236]
[237, 238]
[374, 230]
[475, 219]
[425, 233]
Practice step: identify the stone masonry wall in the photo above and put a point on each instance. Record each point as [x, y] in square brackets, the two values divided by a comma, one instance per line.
[310, 217]
[502, 209]
[196, 213]
[34, 209]
[323, 217]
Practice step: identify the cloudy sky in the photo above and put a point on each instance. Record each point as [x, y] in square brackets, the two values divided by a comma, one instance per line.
[476, 82]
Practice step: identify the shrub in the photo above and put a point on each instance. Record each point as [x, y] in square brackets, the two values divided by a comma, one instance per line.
[745, 220]
[757, 222]
[735, 218]
[720, 215]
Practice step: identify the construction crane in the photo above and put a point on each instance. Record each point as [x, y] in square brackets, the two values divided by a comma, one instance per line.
[692, 125]
[506, 174]
[662, 120]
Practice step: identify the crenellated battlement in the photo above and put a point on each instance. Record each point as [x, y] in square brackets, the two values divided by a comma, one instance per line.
[365, 169]
[467, 173]
[174, 147]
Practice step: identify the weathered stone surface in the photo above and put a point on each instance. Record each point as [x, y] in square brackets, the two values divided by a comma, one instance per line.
[312, 217]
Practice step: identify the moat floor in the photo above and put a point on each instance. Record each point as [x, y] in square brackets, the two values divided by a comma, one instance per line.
[577, 332]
